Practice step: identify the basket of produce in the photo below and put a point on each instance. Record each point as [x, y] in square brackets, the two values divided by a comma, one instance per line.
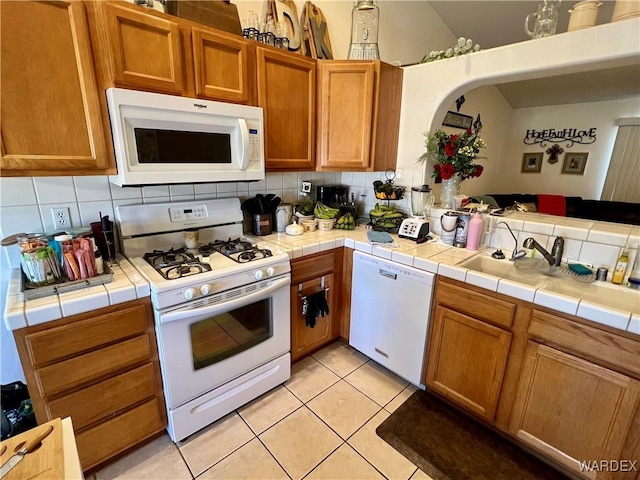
[322, 212]
[384, 218]
[387, 190]
[304, 211]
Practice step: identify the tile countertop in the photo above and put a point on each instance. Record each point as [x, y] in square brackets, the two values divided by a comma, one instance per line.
[127, 284]
[435, 257]
[443, 259]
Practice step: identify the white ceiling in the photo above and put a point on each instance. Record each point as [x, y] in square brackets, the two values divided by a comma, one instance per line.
[493, 23]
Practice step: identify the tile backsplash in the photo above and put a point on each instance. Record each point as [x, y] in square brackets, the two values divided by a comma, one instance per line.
[26, 203]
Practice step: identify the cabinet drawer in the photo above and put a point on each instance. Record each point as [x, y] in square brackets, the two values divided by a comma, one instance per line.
[116, 435]
[85, 335]
[476, 305]
[589, 342]
[102, 400]
[312, 267]
[61, 376]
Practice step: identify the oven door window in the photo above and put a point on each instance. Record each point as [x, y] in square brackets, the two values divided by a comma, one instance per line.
[217, 338]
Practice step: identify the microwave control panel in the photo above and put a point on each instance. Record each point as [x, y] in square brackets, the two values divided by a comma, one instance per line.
[254, 146]
[198, 212]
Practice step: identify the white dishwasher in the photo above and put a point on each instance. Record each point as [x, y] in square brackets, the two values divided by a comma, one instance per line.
[390, 310]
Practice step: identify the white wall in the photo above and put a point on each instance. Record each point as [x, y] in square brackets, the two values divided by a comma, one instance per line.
[582, 116]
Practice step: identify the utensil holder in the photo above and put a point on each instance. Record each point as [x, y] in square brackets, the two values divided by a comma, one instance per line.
[261, 224]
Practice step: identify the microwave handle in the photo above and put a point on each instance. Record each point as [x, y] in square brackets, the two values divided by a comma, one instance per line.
[225, 306]
[244, 133]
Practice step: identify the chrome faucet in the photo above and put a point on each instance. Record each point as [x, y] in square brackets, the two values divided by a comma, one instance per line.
[515, 254]
[555, 257]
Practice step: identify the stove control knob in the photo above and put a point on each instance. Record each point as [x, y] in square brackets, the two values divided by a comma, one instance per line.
[259, 274]
[270, 272]
[190, 293]
[205, 289]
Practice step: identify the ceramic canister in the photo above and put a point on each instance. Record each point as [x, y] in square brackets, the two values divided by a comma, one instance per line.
[583, 15]
[625, 9]
[448, 223]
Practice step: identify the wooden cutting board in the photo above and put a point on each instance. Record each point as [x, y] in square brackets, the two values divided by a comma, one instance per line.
[44, 463]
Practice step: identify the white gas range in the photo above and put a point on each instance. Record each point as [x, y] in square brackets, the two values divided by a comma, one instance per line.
[221, 309]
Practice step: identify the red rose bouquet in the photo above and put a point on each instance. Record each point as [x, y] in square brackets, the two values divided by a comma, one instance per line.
[454, 154]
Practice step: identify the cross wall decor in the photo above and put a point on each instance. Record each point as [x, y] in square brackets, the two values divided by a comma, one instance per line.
[551, 135]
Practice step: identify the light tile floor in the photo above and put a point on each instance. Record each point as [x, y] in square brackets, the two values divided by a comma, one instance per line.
[319, 425]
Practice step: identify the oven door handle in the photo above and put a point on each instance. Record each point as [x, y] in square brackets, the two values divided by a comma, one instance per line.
[222, 307]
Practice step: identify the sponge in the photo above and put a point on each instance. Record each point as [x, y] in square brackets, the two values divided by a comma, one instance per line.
[579, 269]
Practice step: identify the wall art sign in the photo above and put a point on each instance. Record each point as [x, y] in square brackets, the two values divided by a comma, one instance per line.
[551, 135]
[457, 120]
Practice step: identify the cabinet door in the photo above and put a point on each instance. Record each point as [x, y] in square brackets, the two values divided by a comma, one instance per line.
[287, 93]
[571, 409]
[467, 360]
[345, 102]
[305, 339]
[51, 122]
[221, 67]
[144, 50]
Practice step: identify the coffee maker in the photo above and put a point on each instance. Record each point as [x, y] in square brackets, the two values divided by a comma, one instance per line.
[331, 195]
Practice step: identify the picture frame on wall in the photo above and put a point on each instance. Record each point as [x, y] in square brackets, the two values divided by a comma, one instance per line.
[574, 163]
[532, 162]
[457, 120]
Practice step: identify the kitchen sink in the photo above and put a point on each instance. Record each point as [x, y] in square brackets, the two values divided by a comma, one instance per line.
[504, 268]
[533, 274]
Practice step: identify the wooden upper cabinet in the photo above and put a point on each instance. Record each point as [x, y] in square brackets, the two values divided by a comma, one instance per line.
[467, 360]
[221, 66]
[573, 410]
[143, 50]
[287, 93]
[359, 115]
[345, 99]
[50, 120]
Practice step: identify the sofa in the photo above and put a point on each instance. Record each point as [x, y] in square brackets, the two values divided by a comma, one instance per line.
[576, 207]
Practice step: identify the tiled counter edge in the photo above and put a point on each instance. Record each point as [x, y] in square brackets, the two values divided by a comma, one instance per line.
[443, 260]
[127, 284]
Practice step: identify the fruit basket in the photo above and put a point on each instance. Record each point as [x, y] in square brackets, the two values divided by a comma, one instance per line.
[385, 219]
[387, 190]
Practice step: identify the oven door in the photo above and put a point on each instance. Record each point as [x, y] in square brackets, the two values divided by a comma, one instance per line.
[204, 346]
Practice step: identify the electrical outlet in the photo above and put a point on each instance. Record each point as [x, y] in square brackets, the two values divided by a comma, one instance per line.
[61, 217]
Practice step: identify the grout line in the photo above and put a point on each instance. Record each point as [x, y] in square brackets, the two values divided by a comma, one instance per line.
[325, 458]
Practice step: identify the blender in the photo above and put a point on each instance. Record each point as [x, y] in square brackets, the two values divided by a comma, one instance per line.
[417, 227]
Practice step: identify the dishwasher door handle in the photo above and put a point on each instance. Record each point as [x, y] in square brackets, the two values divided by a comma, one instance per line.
[390, 275]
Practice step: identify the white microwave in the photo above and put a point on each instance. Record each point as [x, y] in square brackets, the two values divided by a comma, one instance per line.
[164, 139]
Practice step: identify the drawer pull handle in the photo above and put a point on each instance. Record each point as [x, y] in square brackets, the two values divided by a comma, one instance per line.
[390, 275]
[385, 355]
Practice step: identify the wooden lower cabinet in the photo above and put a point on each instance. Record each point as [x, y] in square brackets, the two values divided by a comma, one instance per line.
[565, 387]
[101, 369]
[573, 410]
[310, 275]
[467, 360]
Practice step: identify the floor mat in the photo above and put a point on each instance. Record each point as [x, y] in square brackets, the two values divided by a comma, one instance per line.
[448, 445]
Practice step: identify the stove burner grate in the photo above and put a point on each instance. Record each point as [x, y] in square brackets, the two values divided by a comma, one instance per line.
[175, 263]
[238, 250]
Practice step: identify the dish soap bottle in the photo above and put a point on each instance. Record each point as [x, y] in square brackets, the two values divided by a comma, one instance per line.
[621, 268]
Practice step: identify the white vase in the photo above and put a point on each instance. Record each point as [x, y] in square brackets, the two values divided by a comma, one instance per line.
[450, 188]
